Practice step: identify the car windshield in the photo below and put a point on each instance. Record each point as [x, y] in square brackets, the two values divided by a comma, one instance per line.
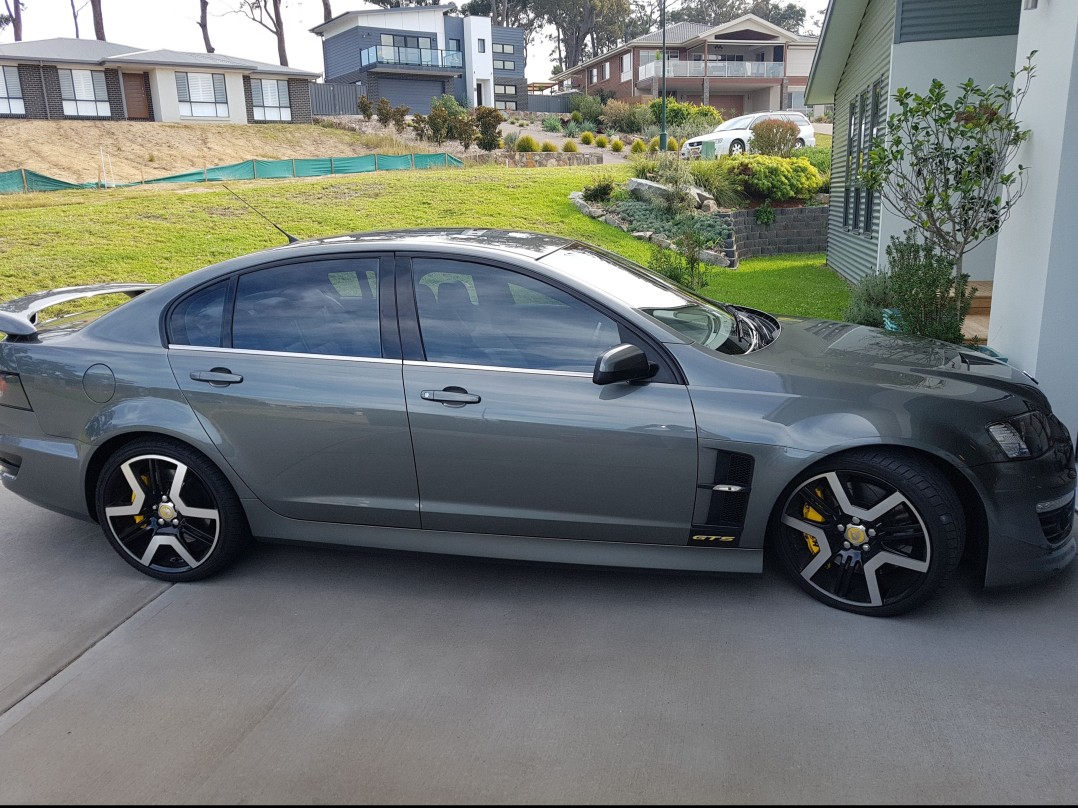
[705, 322]
[741, 122]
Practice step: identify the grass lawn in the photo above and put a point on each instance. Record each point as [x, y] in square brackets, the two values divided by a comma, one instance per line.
[823, 140]
[152, 234]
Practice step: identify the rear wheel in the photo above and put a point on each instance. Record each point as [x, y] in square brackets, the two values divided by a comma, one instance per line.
[800, 144]
[871, 531]
[168, 511]
[737, 147]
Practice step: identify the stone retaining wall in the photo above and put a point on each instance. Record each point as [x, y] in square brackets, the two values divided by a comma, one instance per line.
[795, 230]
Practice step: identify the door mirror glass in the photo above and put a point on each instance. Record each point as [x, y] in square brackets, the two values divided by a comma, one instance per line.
[623, 363]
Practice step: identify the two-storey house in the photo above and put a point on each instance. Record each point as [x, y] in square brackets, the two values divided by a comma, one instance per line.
[745, 65]
[411, 55]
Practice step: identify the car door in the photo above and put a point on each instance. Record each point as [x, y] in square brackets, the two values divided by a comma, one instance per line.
[510, 434]
[294, 369]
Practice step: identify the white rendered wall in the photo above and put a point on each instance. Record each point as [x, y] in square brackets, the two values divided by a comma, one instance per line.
[1036, 285]
[987, 60]
[799, 60]
[478, 67]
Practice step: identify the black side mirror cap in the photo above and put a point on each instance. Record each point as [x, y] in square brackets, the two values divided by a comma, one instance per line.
[623, 363]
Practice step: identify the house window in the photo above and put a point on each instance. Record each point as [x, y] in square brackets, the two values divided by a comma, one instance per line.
[11, 102]
[482, 46]
[504, 64]
[606, 70]
[84, 94]
[505, 89]
[626, 66]
[498, 48]
[202, 95]
[851, 146]
[859, 157]
[270, 100]
[454, 45]
[398, 41]
[594, 74]
[505, 105]
[878, 103]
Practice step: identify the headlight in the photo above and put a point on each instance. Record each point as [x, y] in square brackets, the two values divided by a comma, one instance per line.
[1024, 436]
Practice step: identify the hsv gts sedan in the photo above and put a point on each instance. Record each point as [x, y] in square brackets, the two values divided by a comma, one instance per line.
[519, 396]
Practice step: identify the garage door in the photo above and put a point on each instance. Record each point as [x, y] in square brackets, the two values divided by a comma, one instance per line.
[416, 94]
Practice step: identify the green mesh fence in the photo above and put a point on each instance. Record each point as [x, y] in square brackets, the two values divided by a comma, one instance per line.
[24, 181]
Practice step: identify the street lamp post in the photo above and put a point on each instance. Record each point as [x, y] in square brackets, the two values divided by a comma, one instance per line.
[662, 123]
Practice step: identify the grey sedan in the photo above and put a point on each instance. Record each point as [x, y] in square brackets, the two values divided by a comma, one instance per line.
[519, 396]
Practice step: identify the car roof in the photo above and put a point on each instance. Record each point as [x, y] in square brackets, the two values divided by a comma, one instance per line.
[518, 242]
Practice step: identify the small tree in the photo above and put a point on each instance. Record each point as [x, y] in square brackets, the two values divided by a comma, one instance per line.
[946, 166]
[778, 138]
[440, 123]
[464, 130]
[366, 108]
[488, 120]
[384, 111]
[398, 115]
[420, 127]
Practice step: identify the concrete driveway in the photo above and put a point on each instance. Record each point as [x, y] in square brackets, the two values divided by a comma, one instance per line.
[315, 675]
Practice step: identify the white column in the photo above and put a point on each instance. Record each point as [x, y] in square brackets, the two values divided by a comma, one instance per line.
[1036, 280]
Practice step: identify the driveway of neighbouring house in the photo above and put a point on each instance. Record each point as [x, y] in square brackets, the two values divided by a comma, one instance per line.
[318, 675]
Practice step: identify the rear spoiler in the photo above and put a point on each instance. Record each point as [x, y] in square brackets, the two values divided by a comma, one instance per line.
[19, 317]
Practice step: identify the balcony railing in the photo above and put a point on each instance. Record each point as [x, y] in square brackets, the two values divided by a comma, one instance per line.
[676, 68]
[417, 57]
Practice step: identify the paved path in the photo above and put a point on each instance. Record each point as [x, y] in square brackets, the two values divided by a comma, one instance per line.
[315, 675]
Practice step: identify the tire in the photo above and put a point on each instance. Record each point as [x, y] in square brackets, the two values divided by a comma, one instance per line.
[872, 531]
[168, 511]
[737, 147]
[800, 144]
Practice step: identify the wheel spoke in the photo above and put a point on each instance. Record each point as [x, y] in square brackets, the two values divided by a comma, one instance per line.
[139, 499]
[191, 532]
[171, 541]
[817, 533]
[841, 588]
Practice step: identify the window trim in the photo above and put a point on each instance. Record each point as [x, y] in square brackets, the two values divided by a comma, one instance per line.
[101, 93]
[216, 103]
[255, 107]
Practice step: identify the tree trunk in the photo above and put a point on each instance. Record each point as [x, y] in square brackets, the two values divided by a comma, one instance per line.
[278, 23]
[203, 23]
[327, 12]
[99, 20]
[16, 18]
[75, 17]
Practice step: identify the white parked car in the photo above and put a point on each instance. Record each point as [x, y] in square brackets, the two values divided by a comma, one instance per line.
[735, 135]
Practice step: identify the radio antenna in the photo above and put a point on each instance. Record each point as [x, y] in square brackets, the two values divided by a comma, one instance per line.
[291, 239]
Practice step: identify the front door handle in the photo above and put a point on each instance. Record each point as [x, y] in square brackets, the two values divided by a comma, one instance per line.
[218, 377]
[450, 396]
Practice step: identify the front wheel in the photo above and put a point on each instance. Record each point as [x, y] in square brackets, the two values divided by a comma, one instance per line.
[737, 147]
[800, 144]
[872, 532]
[168, 511]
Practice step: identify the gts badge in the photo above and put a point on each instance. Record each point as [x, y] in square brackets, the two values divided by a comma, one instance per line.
[714, 539]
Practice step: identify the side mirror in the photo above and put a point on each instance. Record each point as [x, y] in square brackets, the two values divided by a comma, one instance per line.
[623, 363]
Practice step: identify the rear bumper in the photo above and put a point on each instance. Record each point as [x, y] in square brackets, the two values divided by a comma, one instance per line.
[43, 470]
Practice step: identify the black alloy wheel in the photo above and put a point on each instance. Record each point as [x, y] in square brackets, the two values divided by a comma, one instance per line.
[872, 531]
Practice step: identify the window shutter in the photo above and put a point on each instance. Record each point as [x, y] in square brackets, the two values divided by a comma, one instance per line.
[219, 94]
[101, 90]
[256, 92]
[282, 89]
[67, 86]
[183, 92]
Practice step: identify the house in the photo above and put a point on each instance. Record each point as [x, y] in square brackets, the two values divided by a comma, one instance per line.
[870, 48]
[90, 79]
[745, 65]
[411, 55]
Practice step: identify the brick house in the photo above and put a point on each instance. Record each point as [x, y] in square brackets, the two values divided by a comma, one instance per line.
[745, 65]
[93, 80]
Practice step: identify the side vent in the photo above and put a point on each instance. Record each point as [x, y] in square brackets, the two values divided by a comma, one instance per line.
[722, 498]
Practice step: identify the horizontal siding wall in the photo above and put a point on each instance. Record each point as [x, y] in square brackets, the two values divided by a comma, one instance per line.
[921, 20]
[852, 254]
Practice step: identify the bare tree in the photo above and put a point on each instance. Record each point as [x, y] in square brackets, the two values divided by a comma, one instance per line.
[75, 16]
[99, 19]
[327, 12]
[204, 24]
[267, 13]
[13, 18]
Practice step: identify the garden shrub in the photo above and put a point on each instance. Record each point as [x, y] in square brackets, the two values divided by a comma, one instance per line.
[616, 146]
[643, 216]
[653, 144]
[638, 147]
[679, 113]
[420, 126]
[576, 117]
[625, 117]
[451, 105]
[819, 156]
[868, 298]
[763, 176]
[487, 121]
[398, 116]
[527, 144]
[384, 111]
[774, 137]
[589, 108]
[587, 138]
[572, 130]
[671, 144]
[440, 124]
[465, 131]
[599, 190]
[570, 146]
[366, 108]
[600, 141]
[552, 123]
[509, 142]
[924, 289]
[713, 178]
[548, 146]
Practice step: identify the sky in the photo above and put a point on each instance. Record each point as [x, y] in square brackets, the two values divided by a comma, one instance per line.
[153, 24]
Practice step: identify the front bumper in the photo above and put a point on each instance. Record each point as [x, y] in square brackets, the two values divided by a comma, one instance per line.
[1026, 544]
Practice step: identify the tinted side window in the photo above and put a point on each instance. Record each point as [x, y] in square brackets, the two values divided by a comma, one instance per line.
[198, 319]
[480, 315]
[316, 307]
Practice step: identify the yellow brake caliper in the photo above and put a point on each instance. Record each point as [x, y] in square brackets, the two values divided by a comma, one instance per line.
[139, 518]
[812, 515]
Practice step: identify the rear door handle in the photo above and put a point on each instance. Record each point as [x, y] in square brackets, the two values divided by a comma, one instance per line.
[450, 396]
[218, 377]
